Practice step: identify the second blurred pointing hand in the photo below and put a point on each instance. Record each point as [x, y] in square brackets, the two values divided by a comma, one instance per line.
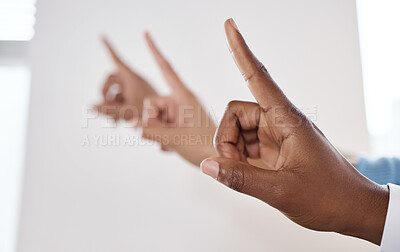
[177, 121]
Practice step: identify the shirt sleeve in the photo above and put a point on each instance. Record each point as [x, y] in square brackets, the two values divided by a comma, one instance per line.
[391, 233]
[382, 171]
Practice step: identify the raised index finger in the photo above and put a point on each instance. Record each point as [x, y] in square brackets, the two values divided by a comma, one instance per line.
[168, 72]
[112, 52]
[263, 88]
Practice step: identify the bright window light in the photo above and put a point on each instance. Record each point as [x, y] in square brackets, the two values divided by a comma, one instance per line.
[14, 98]
[379, 23]
[17, 20]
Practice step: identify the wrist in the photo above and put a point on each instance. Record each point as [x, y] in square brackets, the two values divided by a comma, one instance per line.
[366, 218]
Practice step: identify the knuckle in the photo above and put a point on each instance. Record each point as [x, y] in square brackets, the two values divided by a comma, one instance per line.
[232, 104]
[260, 71]
[298, 115]
[290, 118]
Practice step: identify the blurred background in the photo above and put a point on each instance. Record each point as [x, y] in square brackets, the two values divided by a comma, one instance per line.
[336, 59]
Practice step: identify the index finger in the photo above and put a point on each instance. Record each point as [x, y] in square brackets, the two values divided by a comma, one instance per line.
[168, 72]
[112, 52]
[263, 88]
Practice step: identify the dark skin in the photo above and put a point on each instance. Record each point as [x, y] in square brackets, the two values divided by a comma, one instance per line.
[308, 180]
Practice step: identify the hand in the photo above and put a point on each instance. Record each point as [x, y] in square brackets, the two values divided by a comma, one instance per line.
[309, 181]
[178, 121]
[123, 91]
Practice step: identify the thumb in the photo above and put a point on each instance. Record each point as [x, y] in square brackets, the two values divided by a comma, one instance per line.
[242, 177]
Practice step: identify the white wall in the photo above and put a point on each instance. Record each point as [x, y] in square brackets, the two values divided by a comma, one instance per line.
[16, 80]
[119, 198]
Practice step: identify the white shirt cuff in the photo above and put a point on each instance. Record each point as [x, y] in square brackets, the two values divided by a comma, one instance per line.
[391, 232]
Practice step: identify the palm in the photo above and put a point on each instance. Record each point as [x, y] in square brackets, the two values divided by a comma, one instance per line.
[133, 88]
[269, 142]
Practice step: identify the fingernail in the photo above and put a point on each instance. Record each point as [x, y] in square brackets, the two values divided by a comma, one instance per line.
[210, 167]
[233, 23]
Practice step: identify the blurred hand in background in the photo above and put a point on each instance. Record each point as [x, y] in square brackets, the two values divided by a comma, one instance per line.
[177, 121]
[123, 91]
